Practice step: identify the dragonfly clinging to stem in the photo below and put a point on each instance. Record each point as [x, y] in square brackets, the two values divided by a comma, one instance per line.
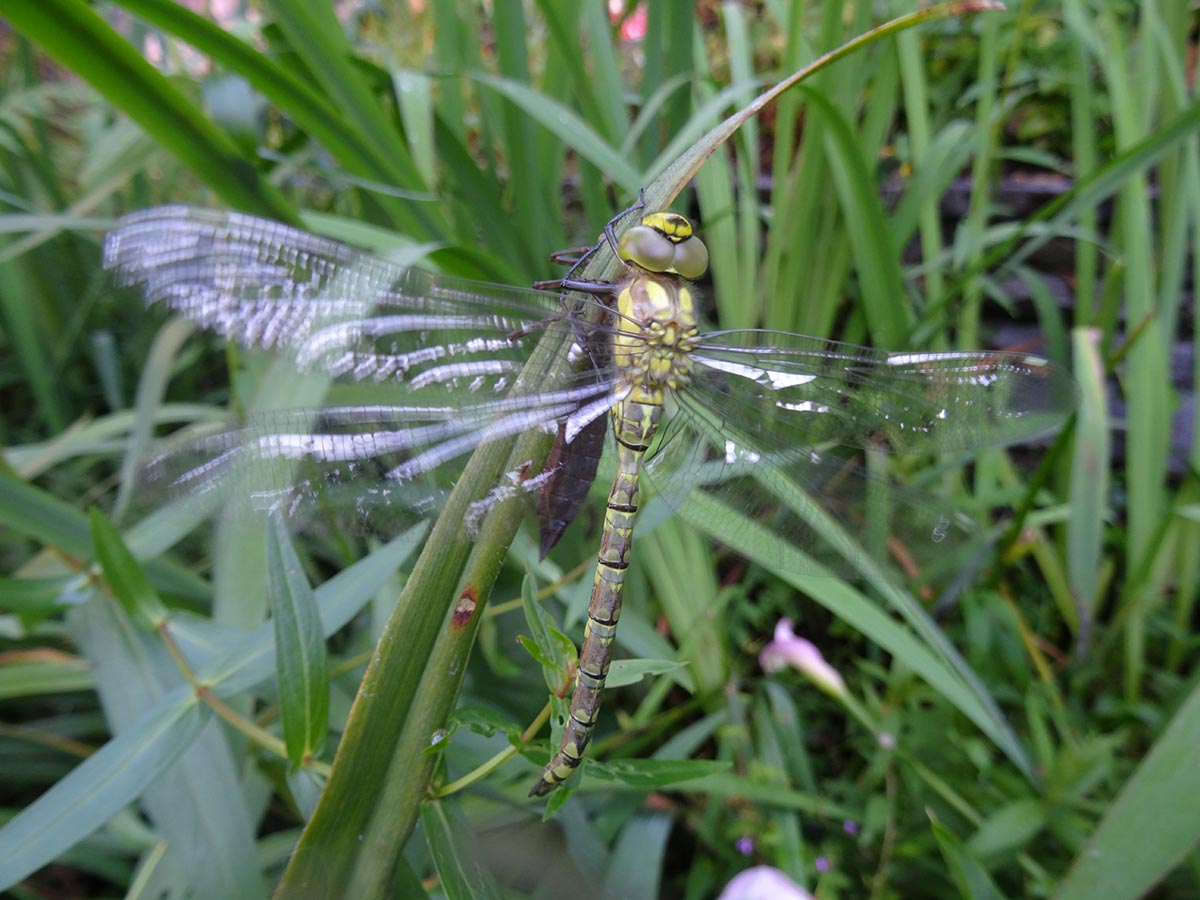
[753, 418]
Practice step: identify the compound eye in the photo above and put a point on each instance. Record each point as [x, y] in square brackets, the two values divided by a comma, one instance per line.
[644, 246]
[691, 258]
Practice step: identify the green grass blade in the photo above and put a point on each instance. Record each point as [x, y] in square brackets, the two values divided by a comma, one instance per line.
[923, 649]
[382, 772]
[969, 243]
[28, 340]
[38, 679]
[301, 667]
[1147, 382]
[1152, 825]
[316, 35]
[128, 582]
[152, 385]
[1095, 187]
[97, 789]
[668, 185]
[969, 873]
[309, 108]
[636, 866]
[679, 566]
[877, 260]
[78, 38]
[923, 205]
[199, 801]
[569, 128]
[113, 777]
[462, 875]
[1089, 475]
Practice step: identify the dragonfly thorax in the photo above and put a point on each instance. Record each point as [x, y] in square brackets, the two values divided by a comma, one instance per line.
[657, 356]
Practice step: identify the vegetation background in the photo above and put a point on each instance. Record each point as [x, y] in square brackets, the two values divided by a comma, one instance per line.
[1013, 178]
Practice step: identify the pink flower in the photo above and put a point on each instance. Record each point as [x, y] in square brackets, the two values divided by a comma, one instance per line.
[634, 27]
[789, 650]
[763, 883]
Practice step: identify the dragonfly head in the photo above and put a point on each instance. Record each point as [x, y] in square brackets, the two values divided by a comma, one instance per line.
[664, 242]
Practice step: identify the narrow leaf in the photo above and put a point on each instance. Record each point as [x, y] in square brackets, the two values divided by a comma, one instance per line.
[969, 874]
[1153, 823]
[452, 847]
[95, 790]
[125, 577]
[300, 661]
[75, 35]
[121, 770]
[1089, 474]
[630, 671]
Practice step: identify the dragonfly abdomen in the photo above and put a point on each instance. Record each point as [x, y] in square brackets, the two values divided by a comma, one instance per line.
[634, 425]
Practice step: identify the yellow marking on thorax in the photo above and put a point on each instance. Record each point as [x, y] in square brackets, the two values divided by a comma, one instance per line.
[658, 357]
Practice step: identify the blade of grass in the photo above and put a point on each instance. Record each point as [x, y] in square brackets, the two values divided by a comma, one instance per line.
[77, 37]
[302, 672]
[307, 107]
[117, 774]
[198, 800]
[381, 773]
[453, 848]
[1150, 827]
[36, 514]
[877, 261]
[1147, 383]
[569, 128]
[916, 114]
[924, 649]
[1089, 479]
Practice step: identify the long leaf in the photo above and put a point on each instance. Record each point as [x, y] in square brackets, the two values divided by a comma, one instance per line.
[310, 109]
[1152, 824]
[119, 772]
[71, 32]
[303, 674]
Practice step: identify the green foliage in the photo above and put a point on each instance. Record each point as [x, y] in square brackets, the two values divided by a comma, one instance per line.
[1028, 731]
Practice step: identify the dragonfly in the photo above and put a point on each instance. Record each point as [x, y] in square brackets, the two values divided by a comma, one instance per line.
[764, 423]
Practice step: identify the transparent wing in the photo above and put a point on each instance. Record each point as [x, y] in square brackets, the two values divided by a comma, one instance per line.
[802, 507]
[370, 468]
[768, 438]
[785, 390]
[457, 356]
[333, 309]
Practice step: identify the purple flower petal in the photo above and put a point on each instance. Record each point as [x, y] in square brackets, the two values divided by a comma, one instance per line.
[763, 883]
[789, 650]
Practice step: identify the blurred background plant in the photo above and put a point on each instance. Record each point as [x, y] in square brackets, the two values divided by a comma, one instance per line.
[1026, 179]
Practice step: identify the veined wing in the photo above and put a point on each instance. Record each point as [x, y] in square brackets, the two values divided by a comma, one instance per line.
[331, 308]
[796, 508]
[453, 350]
[372, 468]
[788, 390]
[771, 428]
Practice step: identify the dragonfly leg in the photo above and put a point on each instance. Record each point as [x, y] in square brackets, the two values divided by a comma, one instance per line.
[598, 288]
[572, 256]
[568, 281]
[540, 325]
[609, 232]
